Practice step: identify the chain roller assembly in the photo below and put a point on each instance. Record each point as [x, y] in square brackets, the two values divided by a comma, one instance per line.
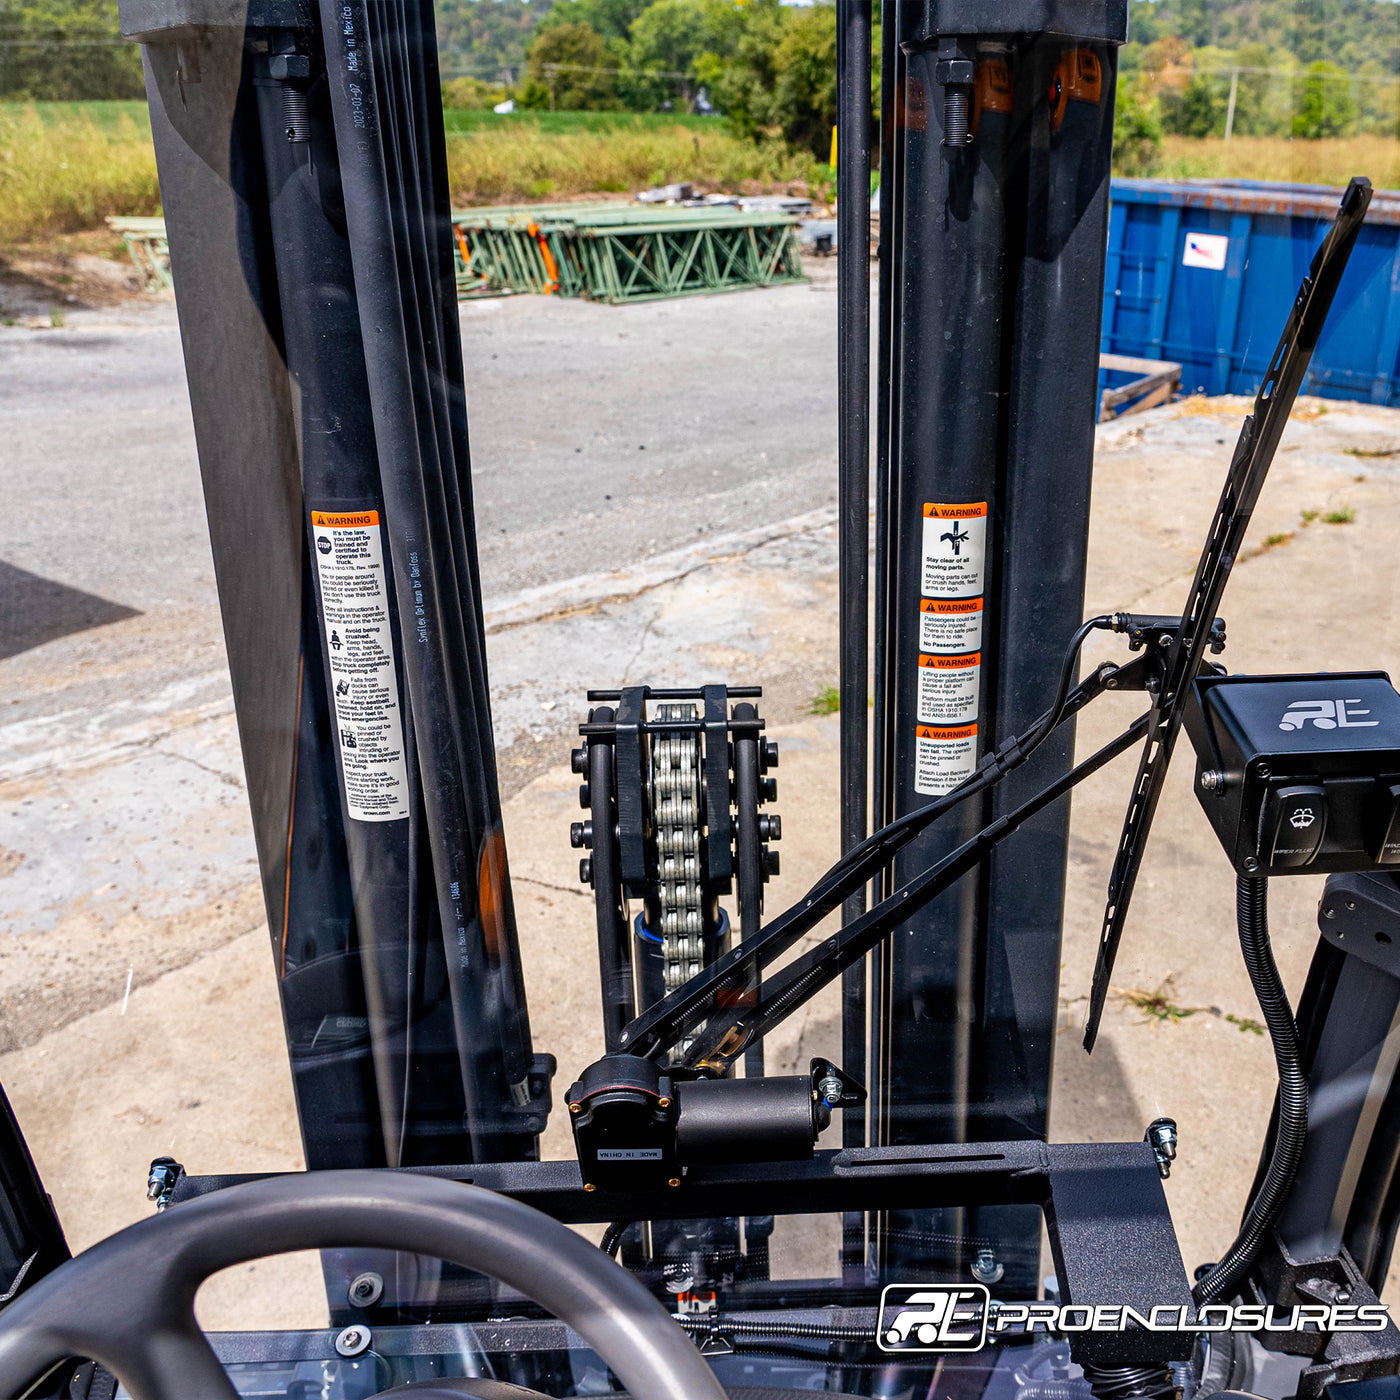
[674, 794]
[677, 813]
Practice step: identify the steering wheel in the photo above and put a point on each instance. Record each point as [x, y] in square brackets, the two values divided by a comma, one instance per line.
[128, 1302]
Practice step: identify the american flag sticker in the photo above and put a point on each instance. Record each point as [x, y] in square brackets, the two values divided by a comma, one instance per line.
[1205, 250]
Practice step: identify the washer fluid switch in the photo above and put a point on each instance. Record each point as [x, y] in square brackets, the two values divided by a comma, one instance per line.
[1292, 824]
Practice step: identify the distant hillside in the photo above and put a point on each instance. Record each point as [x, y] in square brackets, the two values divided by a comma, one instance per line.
[1354, 34]
[487, 38]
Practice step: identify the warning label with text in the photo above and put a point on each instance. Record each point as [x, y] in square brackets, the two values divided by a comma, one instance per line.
[943, 758]
[364, 681]
[955, 550]
[950, 625]
[948, 688]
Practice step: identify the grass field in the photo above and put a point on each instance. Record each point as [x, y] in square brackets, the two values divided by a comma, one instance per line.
[566, 123]
[1273, 158]
[66, 165]
[524, 159]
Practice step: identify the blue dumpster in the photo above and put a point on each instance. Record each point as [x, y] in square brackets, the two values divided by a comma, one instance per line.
[1203, 272]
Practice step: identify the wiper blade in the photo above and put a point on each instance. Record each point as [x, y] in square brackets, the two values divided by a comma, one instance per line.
[1254, 452]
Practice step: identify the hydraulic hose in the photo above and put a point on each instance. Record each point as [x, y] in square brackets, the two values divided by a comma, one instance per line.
[1292, 1110]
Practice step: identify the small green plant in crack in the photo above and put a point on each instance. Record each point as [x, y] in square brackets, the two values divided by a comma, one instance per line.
[1246, 1024]
[1158, 1005]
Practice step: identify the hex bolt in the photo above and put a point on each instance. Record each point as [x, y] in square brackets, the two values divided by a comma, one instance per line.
[160, 1181]
[954, 72]
[353, 1340]
[1161, 1137]
[829, 1087]
[366, 1289]
[986, 1268]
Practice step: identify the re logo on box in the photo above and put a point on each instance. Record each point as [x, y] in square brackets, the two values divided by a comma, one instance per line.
[933, 1317]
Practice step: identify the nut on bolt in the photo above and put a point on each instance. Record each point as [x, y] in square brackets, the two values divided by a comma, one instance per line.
[160, 1181]
[353, 1340]
[953, 73]
[366, 1289]
[1161, 1137]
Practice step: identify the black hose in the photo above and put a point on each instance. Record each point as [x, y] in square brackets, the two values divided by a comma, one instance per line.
[612, 1237]
[754, 1327]
[1292, 1110]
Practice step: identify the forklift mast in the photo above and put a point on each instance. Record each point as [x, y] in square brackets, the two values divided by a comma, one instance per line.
[997, 129]
[303, 169]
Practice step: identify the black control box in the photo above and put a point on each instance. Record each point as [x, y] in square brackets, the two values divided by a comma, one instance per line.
[1300, 773]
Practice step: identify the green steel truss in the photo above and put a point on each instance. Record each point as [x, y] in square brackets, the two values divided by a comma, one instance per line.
[619, 253]
[603, 252]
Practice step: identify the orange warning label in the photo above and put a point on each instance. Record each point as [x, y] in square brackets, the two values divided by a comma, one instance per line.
[946, 733]
[354, 597]
[954, 549]
[948, 689]
[949, 606]
[933, 510]
[950, 626]
[353, 520]
[952, 663]
[944, 757]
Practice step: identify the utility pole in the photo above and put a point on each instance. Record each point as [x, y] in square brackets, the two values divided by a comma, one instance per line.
[1230, 111]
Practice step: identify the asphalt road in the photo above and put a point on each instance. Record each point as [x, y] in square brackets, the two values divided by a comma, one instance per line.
[600, 435]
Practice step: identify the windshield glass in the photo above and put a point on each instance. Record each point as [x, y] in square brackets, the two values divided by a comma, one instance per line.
[420, 596]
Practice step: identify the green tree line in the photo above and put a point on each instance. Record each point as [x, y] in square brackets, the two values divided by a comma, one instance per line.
[1298, 68]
